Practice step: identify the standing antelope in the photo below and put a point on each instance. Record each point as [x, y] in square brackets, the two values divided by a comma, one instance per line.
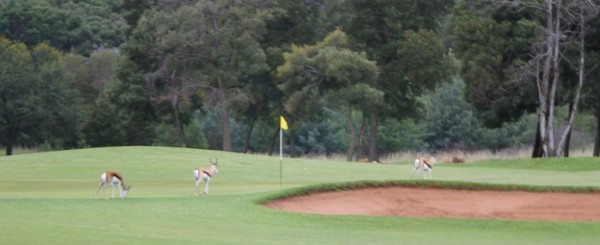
[112, 178]
[205, 174]
[425, 165]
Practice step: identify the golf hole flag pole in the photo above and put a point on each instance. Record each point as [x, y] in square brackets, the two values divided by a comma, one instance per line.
[282, 126]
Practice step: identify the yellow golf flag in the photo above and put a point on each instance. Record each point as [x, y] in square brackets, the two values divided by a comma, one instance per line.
[282, 123]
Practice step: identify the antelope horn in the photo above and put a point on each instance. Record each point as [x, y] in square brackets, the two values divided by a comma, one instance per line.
[213, 163]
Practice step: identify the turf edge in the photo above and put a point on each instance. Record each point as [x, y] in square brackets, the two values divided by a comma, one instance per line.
[334, 187]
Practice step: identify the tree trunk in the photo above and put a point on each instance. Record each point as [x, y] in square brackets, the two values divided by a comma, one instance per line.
[538, 151]
[556, 33]
[567, 145]
[224, 117]
[538, 146]
[248, 135]
[544, 83]
[546, 87]
[274, 141]
[226, 129]
[373, 139]
[9, 149]
[360, 150]
[597, 136]
[350, 152]
[10, 142]
[568, 139]
[292, 144]
[178, 124]
[581, 77]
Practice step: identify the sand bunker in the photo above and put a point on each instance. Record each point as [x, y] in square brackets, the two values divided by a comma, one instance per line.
[420, 202]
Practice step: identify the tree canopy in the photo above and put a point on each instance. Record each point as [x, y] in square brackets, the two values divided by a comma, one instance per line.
[36, 102]
[359, 77]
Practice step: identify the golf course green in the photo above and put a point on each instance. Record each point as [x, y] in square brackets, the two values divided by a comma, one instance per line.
[49, 198]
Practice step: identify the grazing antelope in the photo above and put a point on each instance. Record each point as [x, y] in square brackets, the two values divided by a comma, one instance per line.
[366, 160]
[205, 174]
[425, 165]
[454, 159]
[112, 178]
[458, 160]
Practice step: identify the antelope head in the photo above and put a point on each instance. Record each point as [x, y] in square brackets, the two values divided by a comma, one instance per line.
[214, 164]
[126, 191]
[432, 160]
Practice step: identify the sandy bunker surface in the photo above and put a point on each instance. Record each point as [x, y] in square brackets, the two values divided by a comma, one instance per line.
[421, 202]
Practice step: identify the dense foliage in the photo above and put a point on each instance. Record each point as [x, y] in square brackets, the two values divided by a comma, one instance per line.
[354, 77]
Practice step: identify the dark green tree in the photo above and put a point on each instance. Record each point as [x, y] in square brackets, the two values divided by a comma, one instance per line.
[492, 43]
[102, 125]
[36, 102]
[206, 47]
[450, 119]
[293, 22]
[401, 37]
[92, 75]
[80, 26]
[328, 70]
[516, 59]
[129, 95]
[591, 96]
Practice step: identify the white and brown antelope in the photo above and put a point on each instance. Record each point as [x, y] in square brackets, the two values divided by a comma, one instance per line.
[205, 174]
[423, 164]
[112, 178]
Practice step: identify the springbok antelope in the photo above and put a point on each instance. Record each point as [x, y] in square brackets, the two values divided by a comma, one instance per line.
[112, 178]
[422, 164]
[455, 159]
[201, 174]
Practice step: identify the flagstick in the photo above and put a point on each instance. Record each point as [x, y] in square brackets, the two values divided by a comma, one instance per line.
[280, 154]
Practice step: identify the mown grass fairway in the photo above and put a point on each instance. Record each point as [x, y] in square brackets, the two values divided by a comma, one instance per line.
[48, 198]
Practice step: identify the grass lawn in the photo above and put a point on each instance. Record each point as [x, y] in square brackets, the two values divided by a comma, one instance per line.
[48, 198]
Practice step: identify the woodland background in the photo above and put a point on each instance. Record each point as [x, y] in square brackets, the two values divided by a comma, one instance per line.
[362, 78]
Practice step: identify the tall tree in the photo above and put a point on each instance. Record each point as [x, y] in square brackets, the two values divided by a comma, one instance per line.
[208, 46]
[496, 44]
[489, 42]
[591, 101]
[294, 22]
[15, 80]
[578, 14]
[531, 38]
[36, 102]
[560, 18]
[328, 69]
[400, 36]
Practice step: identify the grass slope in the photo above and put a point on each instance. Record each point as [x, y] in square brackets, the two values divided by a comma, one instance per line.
[49, 198]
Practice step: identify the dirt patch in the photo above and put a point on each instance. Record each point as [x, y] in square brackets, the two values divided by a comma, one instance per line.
[418, 202]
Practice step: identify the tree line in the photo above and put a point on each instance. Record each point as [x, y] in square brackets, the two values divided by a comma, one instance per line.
[358, 77]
